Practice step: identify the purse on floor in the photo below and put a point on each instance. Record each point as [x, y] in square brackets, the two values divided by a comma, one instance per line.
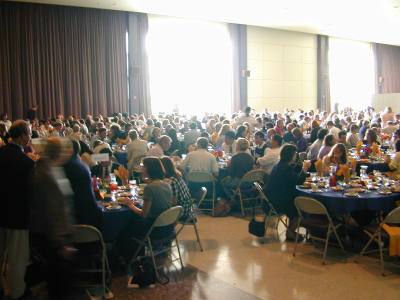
[256, 227]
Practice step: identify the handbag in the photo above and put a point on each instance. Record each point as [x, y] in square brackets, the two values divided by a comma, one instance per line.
[256, 228]
[142, 273]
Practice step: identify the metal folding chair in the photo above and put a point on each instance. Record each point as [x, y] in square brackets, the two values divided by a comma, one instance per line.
[168, 217]
[85, 234]
[191, 219]
[271, 209]
[204, 178]
[311, 206]
[392, 218]
[246, 185]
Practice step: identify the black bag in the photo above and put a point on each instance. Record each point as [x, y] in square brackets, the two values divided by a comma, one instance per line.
[256, 228]
[143, 273]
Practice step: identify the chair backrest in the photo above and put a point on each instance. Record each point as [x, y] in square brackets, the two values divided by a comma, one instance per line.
[203, 194]
[393, 217]
[86, 234]
[200, 177]
[253, 176]
[168, 217]
[260, 190]
[310, 206]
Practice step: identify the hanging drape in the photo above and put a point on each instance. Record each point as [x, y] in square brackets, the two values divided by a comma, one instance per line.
[387, 62]
[139, 89]
[63, 59]
[323, 87]
[238, 34]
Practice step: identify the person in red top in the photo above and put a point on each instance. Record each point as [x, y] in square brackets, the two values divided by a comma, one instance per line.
[280, 127]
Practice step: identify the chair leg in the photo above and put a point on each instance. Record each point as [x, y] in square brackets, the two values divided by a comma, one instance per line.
[338, 239]
[381, 252]
[369, 242]
[297, 237]
[154, 260]
[103, 271]
[328, 235]
[198, 236]
[179, 252]
[241, 203]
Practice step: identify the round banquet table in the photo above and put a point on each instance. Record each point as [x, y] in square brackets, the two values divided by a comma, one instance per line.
[338, 204]
[114, 220]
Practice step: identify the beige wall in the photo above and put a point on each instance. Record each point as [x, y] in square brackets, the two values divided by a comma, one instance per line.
[283, 69]
[380, 101]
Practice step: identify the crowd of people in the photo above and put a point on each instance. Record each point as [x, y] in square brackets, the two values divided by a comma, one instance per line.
[47, 170]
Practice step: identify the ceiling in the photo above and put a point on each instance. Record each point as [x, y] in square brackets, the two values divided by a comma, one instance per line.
[366, 20]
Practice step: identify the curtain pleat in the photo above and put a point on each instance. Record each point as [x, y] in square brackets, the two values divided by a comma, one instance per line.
[323, 86]
[63, 59]
[387, 60]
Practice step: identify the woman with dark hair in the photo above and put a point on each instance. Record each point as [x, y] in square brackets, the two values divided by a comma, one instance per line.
[336, 157]
[281, 187]
[329, 141]
[314, 131]
[241, 132]
[180, 191]
[157, 198]
[175, 148]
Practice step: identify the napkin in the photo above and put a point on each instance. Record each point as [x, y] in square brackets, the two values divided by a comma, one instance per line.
[359, 146]
[344, 171]
[122, 173]
[375, 149]
[318, 167]
[394, 239]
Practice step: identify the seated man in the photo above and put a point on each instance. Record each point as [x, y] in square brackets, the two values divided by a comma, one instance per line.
[164, 143]
[200, 160]
[312, 153]
[192, 135]
[229, 145]
[260, 145]
[241, 163]
[271, 155]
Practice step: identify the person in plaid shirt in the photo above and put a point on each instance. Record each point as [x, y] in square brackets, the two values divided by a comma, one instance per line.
[180, 191]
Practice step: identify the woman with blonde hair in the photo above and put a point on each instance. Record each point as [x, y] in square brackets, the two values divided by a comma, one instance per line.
[221, 135]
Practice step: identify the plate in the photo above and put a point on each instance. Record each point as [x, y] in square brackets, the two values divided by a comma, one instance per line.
[305, 186]
[385, 192]
[337, 188]
[351, 194]
[356, 185]
[114, 207]
[316, 191]
[356, 190]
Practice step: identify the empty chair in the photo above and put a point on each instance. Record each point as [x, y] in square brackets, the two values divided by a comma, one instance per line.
[191, 219]
[203, 178]
[392, 218]
[167, 218]
[86, 234]
[307, 206]
[246, 190]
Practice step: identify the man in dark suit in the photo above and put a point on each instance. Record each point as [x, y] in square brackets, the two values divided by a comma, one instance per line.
[86, 209]
[16, 169]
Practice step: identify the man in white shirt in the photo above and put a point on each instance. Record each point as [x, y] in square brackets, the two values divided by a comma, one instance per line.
[164, 143]
[200, 160]
[352, 137]
[229, 145]
[333, 130]
[390, 128]
[246, 117]
[5, 121]
[271, 155]
[192, 135]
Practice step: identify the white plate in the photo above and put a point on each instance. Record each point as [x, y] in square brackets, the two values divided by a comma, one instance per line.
[384, 193]
[114, 207]
[352, 195]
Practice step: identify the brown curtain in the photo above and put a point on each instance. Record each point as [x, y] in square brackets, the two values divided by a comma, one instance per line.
[63, 59]
[238, 35]
[387, 60]
[139, 87]
[323, 87]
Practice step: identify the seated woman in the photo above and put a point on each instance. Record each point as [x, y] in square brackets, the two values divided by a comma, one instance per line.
[299, 140]
[241, 163]
[180, 191]
[329, 141]
[281, 187]
[371, 138]
[336, 157]
[157, 198]
[137, 149]
[394, 164]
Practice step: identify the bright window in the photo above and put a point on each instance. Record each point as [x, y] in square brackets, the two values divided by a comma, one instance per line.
[351, 72]
[190, 66]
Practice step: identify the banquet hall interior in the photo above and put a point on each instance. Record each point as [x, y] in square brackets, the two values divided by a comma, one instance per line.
[168, 149]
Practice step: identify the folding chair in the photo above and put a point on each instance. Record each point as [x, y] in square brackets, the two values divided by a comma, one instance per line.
[85, 234]
[271, 209]
[168, 217]
[246, 187]
[311, 206]
[204, 178]
[392, 218]
[191, 219]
